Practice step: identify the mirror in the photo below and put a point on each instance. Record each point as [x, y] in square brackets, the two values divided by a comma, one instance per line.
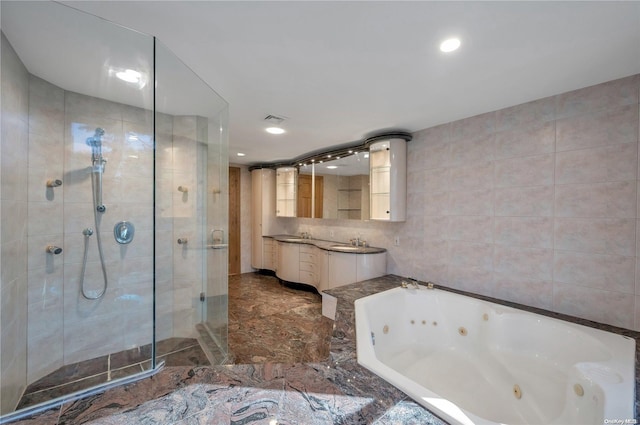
[337, 189]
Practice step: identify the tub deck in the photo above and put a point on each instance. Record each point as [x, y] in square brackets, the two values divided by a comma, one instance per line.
[343, 345]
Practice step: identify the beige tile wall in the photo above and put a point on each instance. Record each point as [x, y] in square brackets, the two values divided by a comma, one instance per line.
[537, 204]
[13, 232]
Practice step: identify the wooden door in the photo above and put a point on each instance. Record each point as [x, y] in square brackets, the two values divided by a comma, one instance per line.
[234, 220]
[304, 195]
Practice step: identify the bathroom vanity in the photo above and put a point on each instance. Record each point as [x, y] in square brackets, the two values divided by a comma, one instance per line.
[321, 264]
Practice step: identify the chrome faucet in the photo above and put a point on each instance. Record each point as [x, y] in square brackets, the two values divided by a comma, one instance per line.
[305, 235]
[357, 241]
[410, 283]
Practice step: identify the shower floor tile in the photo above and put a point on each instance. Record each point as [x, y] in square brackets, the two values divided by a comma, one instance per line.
[83, 375]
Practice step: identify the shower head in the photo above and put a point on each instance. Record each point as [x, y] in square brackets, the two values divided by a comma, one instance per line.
[96, 140]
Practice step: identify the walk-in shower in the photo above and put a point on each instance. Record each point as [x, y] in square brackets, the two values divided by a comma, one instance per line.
[95, 288]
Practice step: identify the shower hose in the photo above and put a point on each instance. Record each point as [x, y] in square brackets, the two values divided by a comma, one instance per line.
[87, 234]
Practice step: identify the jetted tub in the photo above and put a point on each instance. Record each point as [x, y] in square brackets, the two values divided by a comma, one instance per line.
[470, 361]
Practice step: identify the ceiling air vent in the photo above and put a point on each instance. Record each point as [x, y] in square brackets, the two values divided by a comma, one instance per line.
[274, 119]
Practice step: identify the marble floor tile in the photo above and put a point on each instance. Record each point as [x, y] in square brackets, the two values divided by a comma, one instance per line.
[271, 322]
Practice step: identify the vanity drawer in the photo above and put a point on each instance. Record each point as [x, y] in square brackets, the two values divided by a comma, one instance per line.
[307, 277]
[306, 266]
[309, 249]
[308, 257]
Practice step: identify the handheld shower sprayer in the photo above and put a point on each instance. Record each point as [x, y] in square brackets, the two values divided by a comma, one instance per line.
[95, 142]
[97, 169]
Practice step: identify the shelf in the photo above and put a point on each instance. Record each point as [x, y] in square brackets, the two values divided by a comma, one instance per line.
[349, 209]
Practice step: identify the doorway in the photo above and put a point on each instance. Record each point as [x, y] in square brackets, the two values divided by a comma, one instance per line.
[234, 220]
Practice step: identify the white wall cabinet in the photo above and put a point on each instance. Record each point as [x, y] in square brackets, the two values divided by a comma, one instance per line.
[286, 188]
[388, 180]
[263, 211]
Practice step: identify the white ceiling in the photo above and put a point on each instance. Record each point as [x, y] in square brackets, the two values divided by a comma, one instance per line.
[342, 70]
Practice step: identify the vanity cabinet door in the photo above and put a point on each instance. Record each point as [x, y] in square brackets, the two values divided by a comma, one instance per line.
[322, 269]
[288, 262]
[369, 266]
[269, 250]
[342, 269]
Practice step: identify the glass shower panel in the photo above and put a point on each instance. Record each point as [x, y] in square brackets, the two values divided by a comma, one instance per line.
[192, 216]
[85, 141]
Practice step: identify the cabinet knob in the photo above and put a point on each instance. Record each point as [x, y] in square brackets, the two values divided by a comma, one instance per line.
[387, 212]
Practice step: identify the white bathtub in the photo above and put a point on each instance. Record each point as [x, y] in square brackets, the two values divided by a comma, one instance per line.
[474, 362]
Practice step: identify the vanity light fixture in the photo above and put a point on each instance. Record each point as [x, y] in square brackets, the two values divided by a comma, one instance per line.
[449, 45]
[274, 130]
[338, 153]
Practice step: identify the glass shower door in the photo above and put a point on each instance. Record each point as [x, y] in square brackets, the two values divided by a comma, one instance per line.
[191, 211]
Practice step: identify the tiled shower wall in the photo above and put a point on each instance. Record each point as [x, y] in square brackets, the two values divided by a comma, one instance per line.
[63, 327]
[71, 327]
[537, 203]
[13, 233]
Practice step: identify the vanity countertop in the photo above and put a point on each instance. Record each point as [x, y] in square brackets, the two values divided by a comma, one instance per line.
[329, 245]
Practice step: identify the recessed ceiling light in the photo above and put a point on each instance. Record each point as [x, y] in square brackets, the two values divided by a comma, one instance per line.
[275, 130]
[450, 45]
[332, 167]
[241, 154]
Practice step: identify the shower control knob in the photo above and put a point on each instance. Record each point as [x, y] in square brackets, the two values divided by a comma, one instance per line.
[101, 208]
